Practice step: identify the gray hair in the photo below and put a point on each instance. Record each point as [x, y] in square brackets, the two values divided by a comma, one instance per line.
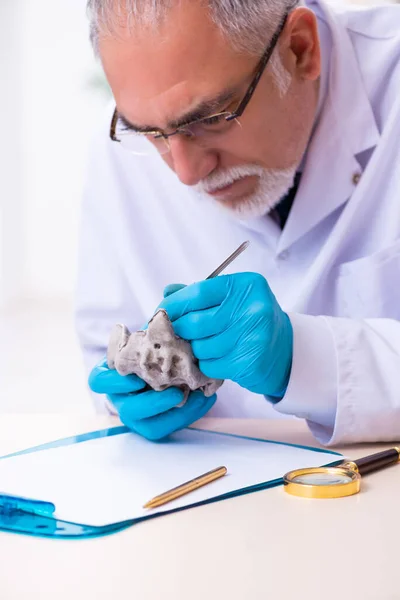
[246, 24]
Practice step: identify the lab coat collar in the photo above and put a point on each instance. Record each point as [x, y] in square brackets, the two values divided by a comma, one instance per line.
[347, 127]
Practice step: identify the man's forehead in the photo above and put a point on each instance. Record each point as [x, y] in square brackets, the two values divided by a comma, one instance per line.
[164, 102]
[161, 77]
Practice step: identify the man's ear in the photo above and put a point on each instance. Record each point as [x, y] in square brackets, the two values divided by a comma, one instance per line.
[302, 41]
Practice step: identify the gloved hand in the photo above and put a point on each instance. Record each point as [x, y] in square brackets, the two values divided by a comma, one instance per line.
[237, 330]
[151, 414]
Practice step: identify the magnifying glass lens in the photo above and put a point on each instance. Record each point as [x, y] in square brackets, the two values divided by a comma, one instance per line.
[325, 478]
[322, 482]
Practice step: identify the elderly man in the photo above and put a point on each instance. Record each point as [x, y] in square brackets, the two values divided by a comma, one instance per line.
[249, 120]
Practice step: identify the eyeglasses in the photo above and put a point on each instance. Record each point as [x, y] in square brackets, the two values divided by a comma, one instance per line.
[206, 129]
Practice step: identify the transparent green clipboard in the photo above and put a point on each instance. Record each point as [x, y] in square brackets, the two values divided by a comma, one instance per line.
[36, 517]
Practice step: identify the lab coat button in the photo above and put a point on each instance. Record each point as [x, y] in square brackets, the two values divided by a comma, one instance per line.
[356, 178]
[284, 255]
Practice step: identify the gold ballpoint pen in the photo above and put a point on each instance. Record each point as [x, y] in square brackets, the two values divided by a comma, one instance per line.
[186, 488]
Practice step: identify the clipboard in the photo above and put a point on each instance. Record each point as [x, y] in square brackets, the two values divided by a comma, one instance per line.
[38, 517]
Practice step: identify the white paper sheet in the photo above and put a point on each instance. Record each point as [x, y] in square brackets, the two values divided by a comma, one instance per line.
[109, 479]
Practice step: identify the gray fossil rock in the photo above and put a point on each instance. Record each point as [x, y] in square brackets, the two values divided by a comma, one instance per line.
[159, 357]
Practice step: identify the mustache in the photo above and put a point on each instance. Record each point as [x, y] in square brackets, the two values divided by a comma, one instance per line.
[223, 178]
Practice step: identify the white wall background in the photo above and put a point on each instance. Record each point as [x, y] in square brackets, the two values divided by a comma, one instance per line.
[11, 186]
[47, 113]
[58, 114]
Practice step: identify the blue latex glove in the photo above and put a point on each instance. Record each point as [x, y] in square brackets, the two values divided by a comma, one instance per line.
[151, 414]
[237, 330]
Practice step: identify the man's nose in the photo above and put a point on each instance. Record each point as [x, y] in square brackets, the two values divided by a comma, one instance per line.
[190, 161]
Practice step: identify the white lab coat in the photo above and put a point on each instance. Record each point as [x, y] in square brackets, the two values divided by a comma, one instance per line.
[335, 268]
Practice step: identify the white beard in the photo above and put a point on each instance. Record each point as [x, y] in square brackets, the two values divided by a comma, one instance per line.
[272, 187]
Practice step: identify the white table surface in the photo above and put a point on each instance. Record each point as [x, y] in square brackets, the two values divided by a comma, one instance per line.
[266, 545]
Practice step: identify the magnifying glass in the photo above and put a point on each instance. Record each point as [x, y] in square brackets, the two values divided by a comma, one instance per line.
[339, 481]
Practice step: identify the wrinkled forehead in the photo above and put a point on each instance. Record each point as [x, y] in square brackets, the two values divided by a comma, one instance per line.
[158, 73]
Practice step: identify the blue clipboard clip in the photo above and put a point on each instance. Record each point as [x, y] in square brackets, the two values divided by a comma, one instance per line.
[14, 505]
[36, 517]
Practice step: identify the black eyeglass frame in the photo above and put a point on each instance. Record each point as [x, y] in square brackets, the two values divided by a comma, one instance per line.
[264, 60]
